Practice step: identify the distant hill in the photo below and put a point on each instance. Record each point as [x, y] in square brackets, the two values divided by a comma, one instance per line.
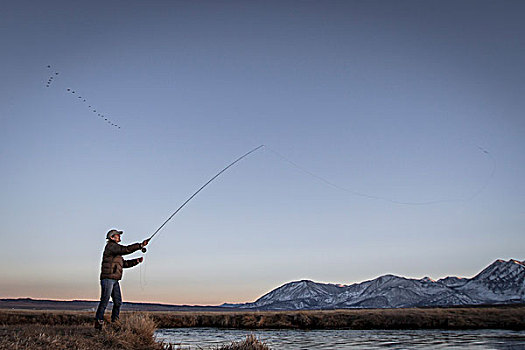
[502, 282]
[86, 305]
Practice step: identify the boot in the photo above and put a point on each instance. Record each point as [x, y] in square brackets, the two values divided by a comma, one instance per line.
[99, 324]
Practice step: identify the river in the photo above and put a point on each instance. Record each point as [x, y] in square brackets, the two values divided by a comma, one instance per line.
[210, 338]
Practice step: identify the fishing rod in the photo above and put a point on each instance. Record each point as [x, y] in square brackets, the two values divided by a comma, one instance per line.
[144, 250]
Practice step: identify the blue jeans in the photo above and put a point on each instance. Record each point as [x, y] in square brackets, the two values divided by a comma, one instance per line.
[109, 288]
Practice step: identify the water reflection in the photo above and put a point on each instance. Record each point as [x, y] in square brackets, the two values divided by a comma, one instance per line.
[209, 338]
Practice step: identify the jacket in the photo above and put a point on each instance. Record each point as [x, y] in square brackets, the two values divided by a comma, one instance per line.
[112, 261]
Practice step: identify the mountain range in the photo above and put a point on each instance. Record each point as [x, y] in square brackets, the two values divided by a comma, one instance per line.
[502, 282]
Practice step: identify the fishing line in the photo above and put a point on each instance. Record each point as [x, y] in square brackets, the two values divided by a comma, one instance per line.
[200, 189]
[142, 276]
[386, 199]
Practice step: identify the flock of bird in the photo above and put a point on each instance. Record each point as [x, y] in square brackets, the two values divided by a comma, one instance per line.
[73, 93]
[50, 80]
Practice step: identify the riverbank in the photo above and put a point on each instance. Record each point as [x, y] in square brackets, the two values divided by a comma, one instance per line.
[75, 331]
[489, 317]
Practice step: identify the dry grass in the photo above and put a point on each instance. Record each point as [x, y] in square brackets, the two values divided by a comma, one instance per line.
[134, 332]
[74, 330]
[250, 343]
[507, 317]
[450, 318]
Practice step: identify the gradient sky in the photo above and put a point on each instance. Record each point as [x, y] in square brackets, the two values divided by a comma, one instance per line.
[390, 99]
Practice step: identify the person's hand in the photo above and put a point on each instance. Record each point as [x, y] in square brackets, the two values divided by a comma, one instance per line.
[141, 259]
[145, 242]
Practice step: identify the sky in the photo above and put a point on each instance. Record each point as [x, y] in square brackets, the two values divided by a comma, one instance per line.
[394, 143]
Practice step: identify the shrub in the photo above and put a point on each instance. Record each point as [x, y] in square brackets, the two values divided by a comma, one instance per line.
[250, 343]
[136, 331]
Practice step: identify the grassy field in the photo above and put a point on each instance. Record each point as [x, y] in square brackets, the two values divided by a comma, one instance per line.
[501, 317]
[460, 318]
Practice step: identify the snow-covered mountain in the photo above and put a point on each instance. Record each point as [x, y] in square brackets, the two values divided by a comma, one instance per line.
[501, 282]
